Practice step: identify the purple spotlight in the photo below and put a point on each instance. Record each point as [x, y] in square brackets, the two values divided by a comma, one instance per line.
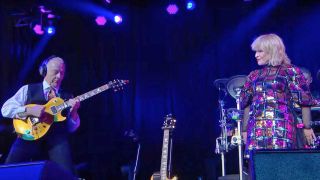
[101, 20]
[108, 1]
[51, 16]
[117, 19]
[38, 29]
[172, 9]
[44, 10]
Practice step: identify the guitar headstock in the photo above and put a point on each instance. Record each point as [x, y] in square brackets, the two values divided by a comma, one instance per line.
[169, 122]
[117, 84]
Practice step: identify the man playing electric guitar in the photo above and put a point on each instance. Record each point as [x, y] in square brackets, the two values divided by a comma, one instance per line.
[55, 142]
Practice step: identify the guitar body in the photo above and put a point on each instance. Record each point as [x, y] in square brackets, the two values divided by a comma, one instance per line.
[33, 128]
[156, 176]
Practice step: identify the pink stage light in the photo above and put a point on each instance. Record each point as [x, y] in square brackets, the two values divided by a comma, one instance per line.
[38, 29]
[101, 21]
[172, 9]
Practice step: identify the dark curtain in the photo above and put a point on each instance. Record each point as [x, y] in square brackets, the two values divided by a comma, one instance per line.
[171, 62]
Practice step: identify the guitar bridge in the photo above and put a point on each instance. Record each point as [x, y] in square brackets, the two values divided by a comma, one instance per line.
[34, 120]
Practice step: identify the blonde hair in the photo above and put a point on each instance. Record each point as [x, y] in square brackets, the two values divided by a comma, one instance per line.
[273, 46]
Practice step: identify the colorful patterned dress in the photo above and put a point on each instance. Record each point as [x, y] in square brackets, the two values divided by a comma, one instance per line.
[270, 93]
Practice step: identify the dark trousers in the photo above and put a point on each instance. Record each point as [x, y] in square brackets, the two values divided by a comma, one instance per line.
[53, 147]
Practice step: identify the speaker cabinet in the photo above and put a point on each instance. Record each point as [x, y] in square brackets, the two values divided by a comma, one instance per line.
[42, 170]
[285, 164]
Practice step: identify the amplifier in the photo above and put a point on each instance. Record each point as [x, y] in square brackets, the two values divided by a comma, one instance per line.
[285, 164]
[42, 170]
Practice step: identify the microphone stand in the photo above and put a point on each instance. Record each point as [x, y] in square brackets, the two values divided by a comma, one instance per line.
[222, 141]
[136, 163]
[237, 139]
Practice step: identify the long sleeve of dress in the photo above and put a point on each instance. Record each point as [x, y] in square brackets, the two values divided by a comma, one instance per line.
[299, 88]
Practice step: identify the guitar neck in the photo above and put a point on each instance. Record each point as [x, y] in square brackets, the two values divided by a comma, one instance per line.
[164, 156]
[85, 96]
[94, 92]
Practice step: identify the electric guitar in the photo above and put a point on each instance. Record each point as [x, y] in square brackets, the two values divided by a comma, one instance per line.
[33, 128]
[168, 126]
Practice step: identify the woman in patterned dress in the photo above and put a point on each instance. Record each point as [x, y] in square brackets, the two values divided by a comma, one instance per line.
[268, 95]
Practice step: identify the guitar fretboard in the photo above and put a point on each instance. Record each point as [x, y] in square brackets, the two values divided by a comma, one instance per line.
[94, 92]
[83, 97]
[164, 156]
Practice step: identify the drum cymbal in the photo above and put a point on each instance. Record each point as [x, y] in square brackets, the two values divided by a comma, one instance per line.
[221, 83]
[235, 84]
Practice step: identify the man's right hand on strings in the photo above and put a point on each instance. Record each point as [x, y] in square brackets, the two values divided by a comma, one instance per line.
[36, 111]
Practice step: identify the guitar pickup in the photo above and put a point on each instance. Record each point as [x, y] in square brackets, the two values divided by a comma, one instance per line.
[54, 110]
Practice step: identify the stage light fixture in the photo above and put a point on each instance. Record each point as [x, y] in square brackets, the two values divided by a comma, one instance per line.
[51, 30]
[101, 20]
[117, 19]
[44, 22]
[190, 5]
[40, 19]
[172, 9]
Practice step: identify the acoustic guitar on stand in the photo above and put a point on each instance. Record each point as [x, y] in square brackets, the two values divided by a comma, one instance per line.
[33, 128]
[168, 126]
